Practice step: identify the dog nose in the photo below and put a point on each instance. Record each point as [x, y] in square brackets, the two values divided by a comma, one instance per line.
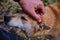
[6, 19]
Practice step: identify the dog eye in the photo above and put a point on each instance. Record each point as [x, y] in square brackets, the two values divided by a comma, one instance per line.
[44, 27]
[23, 18]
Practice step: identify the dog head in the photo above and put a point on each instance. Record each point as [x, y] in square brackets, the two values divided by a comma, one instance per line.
[28, 24]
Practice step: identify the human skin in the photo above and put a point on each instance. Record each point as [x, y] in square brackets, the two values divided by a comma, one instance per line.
[35, 8]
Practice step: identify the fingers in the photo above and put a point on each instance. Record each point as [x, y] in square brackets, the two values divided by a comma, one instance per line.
[31, 11]
[29, 7]
[36, 16]
[39, 18]
[41, 9]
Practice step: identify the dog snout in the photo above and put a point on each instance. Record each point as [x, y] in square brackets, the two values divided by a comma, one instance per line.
[6, 19]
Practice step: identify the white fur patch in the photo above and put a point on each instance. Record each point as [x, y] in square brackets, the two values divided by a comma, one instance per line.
[25, 26]
[15, 22]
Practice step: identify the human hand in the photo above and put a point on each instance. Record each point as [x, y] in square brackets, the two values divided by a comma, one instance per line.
[35, 8]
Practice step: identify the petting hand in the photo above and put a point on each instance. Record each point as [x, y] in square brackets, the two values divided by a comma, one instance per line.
[35, 8]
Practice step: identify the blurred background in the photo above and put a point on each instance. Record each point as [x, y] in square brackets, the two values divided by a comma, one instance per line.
[9, 6]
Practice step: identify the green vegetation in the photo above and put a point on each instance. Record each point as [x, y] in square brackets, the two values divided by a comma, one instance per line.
[46, 2]
[9, 6]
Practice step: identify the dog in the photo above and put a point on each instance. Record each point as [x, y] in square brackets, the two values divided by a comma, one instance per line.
[53, 19]
[49, 25]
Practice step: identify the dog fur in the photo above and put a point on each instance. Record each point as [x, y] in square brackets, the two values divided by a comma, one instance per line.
[50, 18]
